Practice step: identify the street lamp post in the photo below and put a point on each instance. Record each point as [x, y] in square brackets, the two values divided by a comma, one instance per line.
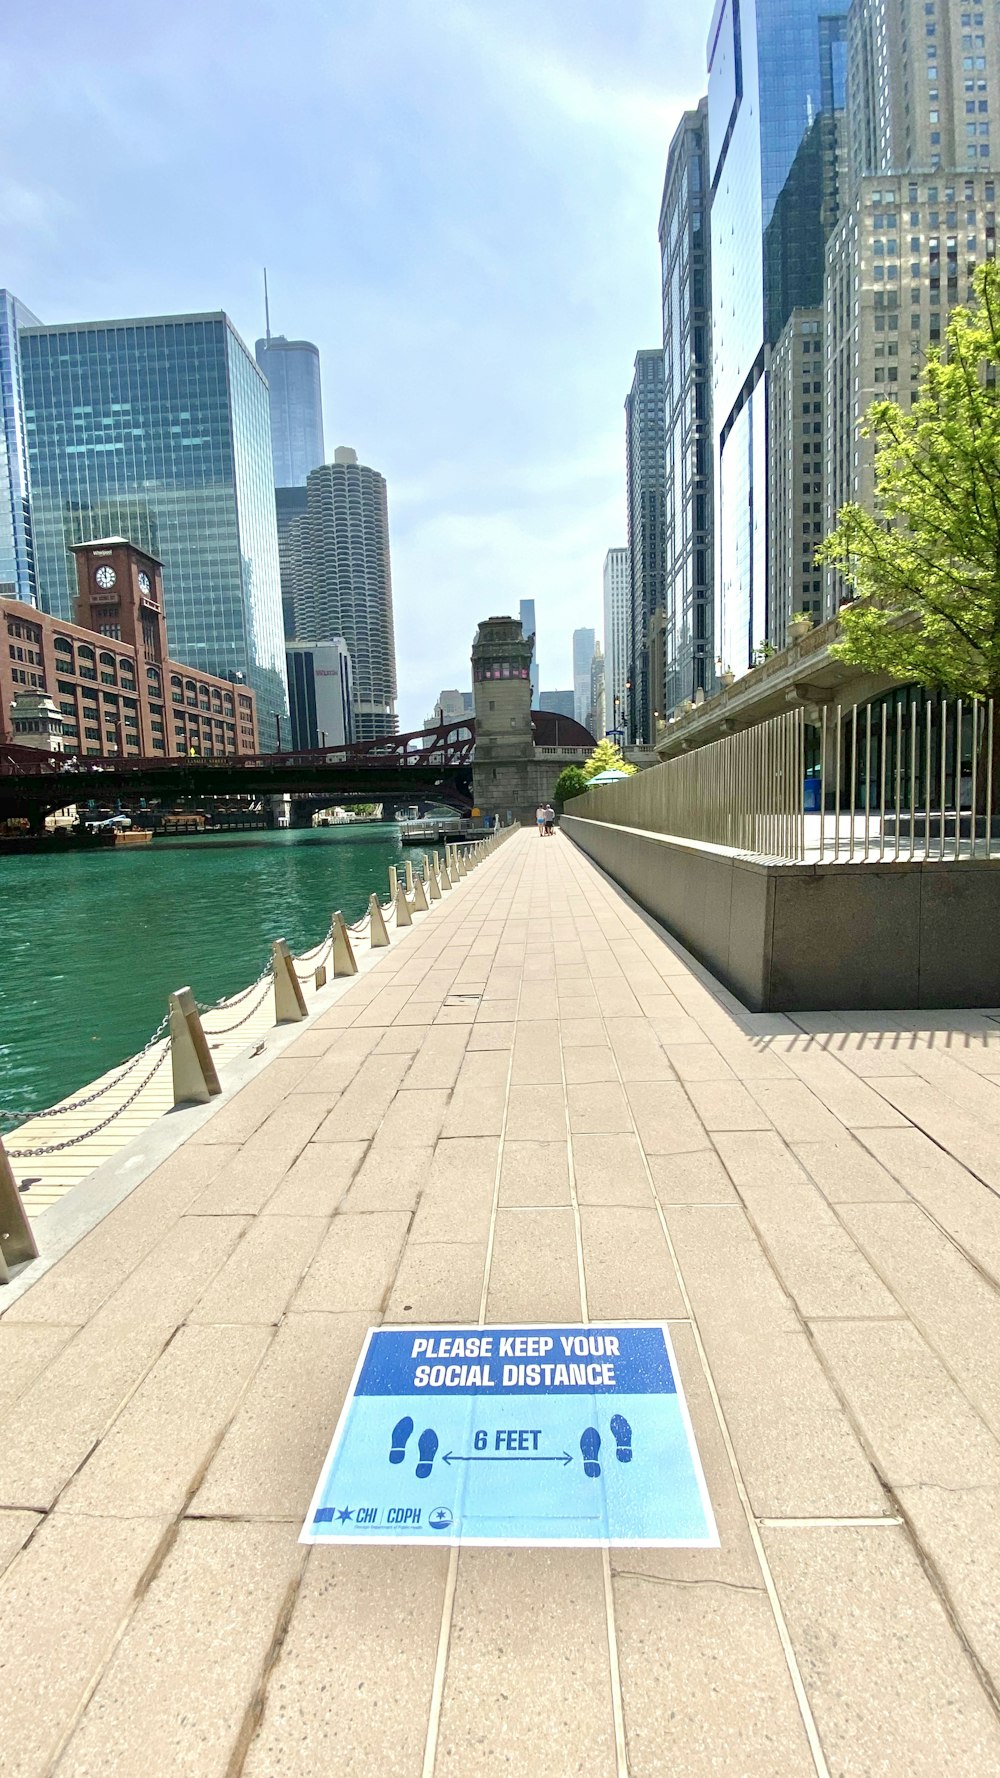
[277, 717]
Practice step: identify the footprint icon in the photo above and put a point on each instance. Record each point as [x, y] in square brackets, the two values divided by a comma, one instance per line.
[623, 1434]
[590, 1445]
[427, 1445]
[400, 1433]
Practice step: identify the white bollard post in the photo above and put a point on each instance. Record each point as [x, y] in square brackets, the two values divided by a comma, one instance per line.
[343, 951]
[403, 915]
[393, 882]
[379, 935]
[17, 1241]
[289, 1000]
[194, 1074]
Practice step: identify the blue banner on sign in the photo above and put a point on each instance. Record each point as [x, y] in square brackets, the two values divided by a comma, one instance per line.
[514, 1435]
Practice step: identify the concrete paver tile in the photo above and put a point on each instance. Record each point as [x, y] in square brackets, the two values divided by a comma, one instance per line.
[695, 1178]
[458, 1195]
[599, 1112]
[589, 1066]
[629, 1272]
[177, 1690]
[61, 1606]
[705, 1687]
[48, 1433]
[675, 1026]
[956, 1309]
[852, 1102]
[757, 1157]
[497, 1011]
[962, 1204]
[537, 1055]
[917, 1422]
[520, 1692]
[584, 1034]
[270, 1457]
[665, 1118]
[439, 1057]
[536, 1114]
[538, 1000]
[358, 1115]
[891, 1687]
[388, 1179]
[345, 1051]
[317, 1181]
[402, 1040]
[476, 1110]
[246, 1111]
[726, 1105]
[483, 1070]
[697, 1061]
[25, 1351]
[438, 1281]
[245, 1185]
[795, 1111]
[846, 1172]
[534, 1173]
[258, 1279]
[350, 1691]
[169, 1280]
[819, 1263]
[639, 1054]
[414, 1118]
[797, 1451]
[609, 1169]
[151, 1458]
[354, 1267]
[15, 1529]
[496, 1035]
[959, 1530]
[534, 1275]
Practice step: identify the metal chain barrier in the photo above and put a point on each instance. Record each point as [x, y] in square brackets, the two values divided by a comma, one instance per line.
[30, 1154]
[224, 1030]
[27, 1115]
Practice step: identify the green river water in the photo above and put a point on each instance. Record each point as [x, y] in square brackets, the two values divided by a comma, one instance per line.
[91, 943]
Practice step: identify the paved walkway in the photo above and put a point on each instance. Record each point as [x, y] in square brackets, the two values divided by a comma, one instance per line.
[532, 1109]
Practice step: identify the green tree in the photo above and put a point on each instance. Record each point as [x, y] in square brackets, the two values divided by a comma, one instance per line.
[926, 562]
[570, 782]
[607, 757]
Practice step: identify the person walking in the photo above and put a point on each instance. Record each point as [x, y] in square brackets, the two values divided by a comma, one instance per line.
[550, 820]
[540, 821]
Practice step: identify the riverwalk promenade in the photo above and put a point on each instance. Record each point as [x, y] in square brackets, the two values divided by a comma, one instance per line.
[534, 1107]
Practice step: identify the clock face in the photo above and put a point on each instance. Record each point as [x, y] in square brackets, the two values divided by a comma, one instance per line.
[105, 577]
[143, 583]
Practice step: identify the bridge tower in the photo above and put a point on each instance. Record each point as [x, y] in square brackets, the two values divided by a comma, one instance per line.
[504, 773]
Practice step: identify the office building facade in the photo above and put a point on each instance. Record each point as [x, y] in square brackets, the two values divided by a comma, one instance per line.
[774, 67]
[557, 703]
[685, 261]
[795, 471]
[583, 654]
[451, 706]
[320, 694]
[339, 582]
[597, 713]
[158, 431]
[528, 628]
[17, 555]
[617, 631]
[645, 489]
[295, 400]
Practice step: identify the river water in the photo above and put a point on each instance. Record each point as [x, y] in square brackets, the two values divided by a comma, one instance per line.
[91, 943]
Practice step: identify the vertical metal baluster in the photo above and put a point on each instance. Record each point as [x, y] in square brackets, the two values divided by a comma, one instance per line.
[822, 787]
[854, 778]
[974, 816]
[942, 774]
[957, 777]
[881, 783]
[838, 770]
[928, 728]
[868, 778]
[913, 773]
[989, 778]
[899, 776]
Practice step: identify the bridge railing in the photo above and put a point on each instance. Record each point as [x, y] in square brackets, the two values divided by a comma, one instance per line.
[451, 744]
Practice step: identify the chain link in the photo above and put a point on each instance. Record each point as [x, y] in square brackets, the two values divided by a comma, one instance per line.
[30, 1154]
[225, 1029]
[28, 1115]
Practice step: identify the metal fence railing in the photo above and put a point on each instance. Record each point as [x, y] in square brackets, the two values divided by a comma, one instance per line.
[912, 776]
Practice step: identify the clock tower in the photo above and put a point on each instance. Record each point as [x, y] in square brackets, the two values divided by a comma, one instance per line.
[119, 593]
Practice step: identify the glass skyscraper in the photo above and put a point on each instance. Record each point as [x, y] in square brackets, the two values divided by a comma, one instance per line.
[292, 371]
[17, 563]
[767, 84]
[158, 431]
[528, 629]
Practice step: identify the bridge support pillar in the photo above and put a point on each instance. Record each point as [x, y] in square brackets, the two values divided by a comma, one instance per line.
[289, 1000]
[17, 1241]
[343, 950]
[194, 1076]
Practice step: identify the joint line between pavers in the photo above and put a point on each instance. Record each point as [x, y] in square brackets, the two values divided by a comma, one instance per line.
[614, 1664]
[791, 1661]
[829, 1524]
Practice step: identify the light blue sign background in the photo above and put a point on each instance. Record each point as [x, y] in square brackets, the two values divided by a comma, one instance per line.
[524, 1479]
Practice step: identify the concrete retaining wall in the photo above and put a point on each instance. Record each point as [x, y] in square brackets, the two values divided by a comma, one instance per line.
[798, 937]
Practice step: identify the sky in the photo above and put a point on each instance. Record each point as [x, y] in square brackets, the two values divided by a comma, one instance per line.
[457, 200]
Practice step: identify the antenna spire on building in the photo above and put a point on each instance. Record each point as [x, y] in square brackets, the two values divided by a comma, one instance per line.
[267, 311]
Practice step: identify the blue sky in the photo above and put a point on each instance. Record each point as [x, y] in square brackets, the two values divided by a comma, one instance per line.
[456, 199]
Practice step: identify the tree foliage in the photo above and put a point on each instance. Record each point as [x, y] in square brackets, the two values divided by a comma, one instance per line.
[926, 562]
[607, 757]
[570, 782]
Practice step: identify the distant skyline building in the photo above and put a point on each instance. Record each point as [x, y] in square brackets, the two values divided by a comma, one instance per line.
[529, 628]
[596, 715]
[645, 492]
[451, 706]
[617, 630]
[558, 703]
[583, 654]
[338, 581]
[296, 403]
[773, 65]
[158, 430]
[320, 694]
[17, 557]
[685, 260]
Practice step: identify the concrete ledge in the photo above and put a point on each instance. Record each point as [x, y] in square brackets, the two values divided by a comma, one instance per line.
[800, 937]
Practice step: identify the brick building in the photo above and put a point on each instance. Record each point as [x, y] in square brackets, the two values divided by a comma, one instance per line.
[109, 672]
